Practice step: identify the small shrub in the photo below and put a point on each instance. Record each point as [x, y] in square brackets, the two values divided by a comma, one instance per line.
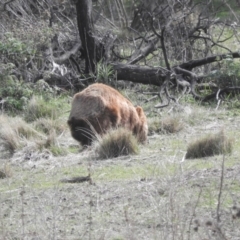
[115, 143]
[212, 144]
[229, 74]
[11, 45]
[15, 93]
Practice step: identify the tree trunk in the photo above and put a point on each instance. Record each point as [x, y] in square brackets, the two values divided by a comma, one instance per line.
[86, 31]
[139, 74]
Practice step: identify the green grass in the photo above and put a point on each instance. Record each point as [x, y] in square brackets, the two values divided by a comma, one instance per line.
[40, 107]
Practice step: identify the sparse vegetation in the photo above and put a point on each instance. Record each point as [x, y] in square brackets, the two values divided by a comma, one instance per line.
[115, 143]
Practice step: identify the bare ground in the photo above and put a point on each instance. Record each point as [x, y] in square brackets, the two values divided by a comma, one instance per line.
[155, 195]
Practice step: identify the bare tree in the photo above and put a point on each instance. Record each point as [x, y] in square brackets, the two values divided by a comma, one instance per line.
[178, 31]
[150, 42]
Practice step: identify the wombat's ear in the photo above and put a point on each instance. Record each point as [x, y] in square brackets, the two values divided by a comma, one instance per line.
[139, 111]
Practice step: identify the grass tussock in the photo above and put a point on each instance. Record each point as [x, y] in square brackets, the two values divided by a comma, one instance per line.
[212, 144]
[52, 144]
[9, 139]
[46, 125]
[168, 125]
[38, 107]
[171, 124]
[15, 134]
[115, 143]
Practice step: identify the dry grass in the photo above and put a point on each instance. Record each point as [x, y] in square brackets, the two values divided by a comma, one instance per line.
[115, 143]
[167, 125]
[15, 134]
[9, 139]
[5, 171]
[154, 195]
[46, 125]
[211, 144]
[171, 124]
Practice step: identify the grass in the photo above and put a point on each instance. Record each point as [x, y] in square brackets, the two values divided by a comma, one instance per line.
[115, 143]
[46, 125]
[5, 171]
[209, 145]
[151, 195]
[166, 125]
[16, 134]
[40, 107]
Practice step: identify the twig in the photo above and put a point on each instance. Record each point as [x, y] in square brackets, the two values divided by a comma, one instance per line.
[194, 212]
[218, 99]
[220, 190]
[76, 179]
[22, 211]
[150, 99]
[90, 203]
[6, 3]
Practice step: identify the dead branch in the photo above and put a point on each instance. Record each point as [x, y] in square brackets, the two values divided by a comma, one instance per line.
[200, 62]
[221, 92]
[139, 74]
[165, 89]
[64, 57]
[193, 78]
[6, 3]
[142, 53]
[150, 99]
